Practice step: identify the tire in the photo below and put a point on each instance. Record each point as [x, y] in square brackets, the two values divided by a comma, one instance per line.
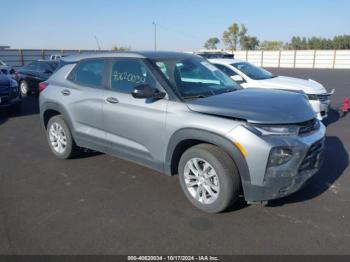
[24, 87]
[225, 183]
[58, 130]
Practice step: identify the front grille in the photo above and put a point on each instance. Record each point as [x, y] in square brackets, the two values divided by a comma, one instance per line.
[4, 100]
[309, 127]
[313, 158]
[323, 97]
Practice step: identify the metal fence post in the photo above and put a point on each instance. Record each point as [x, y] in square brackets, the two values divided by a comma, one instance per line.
[295, 58]
[42, 53]
[21, 58]
[262, 58]
[279, 59]
[246, 55]
[314, 60]
[334, 58]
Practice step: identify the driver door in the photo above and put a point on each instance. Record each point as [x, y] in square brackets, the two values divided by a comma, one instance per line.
[135, 128]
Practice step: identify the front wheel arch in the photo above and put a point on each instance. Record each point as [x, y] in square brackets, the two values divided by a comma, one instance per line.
[187, 137]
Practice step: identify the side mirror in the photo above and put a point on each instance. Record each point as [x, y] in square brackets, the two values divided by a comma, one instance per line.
[237, 78]
[145, 91]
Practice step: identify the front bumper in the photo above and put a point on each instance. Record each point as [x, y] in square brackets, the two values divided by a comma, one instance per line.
[9, 100]
[321, 104]
[264, 183]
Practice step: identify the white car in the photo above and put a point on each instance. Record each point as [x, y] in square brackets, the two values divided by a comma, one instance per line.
[56, 56]
[251, 76]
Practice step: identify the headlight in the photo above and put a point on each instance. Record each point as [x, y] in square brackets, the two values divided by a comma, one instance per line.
[274, 130]
[14, 83]
[14, 86]
[279, 156]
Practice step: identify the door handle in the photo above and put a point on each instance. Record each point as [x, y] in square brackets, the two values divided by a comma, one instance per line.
[112, 100]
[65, 92]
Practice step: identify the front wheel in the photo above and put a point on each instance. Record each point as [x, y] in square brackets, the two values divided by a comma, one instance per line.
[60, 138]
[209, 178]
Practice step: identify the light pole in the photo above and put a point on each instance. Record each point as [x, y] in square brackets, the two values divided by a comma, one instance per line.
[98, 43]
[155, 35]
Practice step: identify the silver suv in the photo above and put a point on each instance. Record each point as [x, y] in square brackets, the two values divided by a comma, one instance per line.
[178, 114]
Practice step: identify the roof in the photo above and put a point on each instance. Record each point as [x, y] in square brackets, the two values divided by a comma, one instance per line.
[47, 60]
[130, 54]
[225, 60]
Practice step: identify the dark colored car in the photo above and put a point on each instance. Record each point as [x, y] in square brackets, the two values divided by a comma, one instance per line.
[10, 95]
[34, 73]
[211, 55]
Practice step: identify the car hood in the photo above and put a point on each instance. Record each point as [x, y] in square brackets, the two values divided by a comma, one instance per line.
[291, 83]
[256, 106]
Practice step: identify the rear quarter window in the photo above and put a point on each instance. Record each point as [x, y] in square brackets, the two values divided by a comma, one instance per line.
[89, 73]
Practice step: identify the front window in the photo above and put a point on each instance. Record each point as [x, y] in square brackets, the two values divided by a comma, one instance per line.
[130, 73]
[252, 71]
[195, 77]
[226, 70]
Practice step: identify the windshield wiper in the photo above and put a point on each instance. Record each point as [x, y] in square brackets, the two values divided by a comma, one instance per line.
[195, 96]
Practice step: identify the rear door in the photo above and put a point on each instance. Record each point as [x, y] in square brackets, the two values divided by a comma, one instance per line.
[134, 127]
[84, 97]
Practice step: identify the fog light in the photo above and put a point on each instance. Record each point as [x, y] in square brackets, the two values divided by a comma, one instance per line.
[279, 156]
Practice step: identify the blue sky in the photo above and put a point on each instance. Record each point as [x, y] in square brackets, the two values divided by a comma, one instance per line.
[183, 25]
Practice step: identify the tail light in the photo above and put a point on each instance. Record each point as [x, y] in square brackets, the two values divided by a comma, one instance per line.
[17, 75]
[42, 86]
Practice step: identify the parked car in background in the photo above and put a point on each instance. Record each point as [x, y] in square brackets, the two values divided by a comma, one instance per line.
[214, 54]
[251, 76]
[7, 70]
[32, 74]
[10, 95]
[179, 114]
[56, 57]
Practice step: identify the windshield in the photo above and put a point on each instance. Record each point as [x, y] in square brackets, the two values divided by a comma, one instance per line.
[254, 72]
[195, 77]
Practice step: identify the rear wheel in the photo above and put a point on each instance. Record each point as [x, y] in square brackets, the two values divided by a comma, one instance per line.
[60, 138]
[209, 178]
[24, 88]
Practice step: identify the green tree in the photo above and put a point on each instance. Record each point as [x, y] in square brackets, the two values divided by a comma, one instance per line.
[120, 48]
[237, 35]
[211, 43]
[231, 36]
[272, 45]
[249, 42]
[341, 42]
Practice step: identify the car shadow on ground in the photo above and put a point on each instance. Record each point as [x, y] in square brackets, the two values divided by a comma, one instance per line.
[29, 106]
[335, 163]
[333, 116]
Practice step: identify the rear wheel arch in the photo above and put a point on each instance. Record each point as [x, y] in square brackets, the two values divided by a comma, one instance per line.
[48, 114]
[50, 109]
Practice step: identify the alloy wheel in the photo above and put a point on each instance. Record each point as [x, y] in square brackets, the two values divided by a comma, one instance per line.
[201, 180]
